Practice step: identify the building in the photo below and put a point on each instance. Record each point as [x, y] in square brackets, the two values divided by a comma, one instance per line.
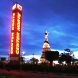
[15, 41]
[46, 47]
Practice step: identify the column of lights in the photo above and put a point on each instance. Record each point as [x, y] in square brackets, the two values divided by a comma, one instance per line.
[12, 34]
[18, 21]
[13, 20]
[17, 43]
[12, 38]
[18, 34]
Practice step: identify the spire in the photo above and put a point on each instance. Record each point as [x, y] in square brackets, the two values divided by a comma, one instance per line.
[46, 36]
[46, 43]
[45, 48]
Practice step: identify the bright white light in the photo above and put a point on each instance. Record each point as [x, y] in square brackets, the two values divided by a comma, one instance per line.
[14, 7]
[17, 6]
[46, 45]
[55, 62]
[64, 62]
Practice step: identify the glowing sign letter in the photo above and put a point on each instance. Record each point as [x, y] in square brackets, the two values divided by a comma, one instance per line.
[18, 21]
[13, 21]
[17, 43]
[12, 37]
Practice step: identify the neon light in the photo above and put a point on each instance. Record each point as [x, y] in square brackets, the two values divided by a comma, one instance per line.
[19, 7]
[12, 38]
[11, 48]
[17, 42]
[16, 30]
[18, 21]
[14, 7]
[13, 20]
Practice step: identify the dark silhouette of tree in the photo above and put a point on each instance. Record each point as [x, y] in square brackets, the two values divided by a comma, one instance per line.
[34, 61]
[69, 56]
[61, 58]
[22, 60]
[68, 59]
[51, 55]
[65, 57]
[68, 50]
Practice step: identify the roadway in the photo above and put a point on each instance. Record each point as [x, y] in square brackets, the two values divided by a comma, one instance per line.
[31, 74]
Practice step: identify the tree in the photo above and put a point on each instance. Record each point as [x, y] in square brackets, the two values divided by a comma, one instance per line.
[68, 50]
[65, 57]
[51, 55]
[22, 60]
[34, 61]
[69, 56]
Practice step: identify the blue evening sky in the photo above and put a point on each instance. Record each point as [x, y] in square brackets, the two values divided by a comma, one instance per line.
[58, 17]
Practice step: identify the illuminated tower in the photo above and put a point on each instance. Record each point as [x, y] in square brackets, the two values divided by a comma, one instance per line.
[16, 33]
[46, 47]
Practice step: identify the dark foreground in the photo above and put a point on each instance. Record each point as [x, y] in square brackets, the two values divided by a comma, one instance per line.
[30, 74]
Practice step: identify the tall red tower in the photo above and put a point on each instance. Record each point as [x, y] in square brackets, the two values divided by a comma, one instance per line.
[16, 33]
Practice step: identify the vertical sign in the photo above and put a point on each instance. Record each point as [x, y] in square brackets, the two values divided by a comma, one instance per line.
[16, 32]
